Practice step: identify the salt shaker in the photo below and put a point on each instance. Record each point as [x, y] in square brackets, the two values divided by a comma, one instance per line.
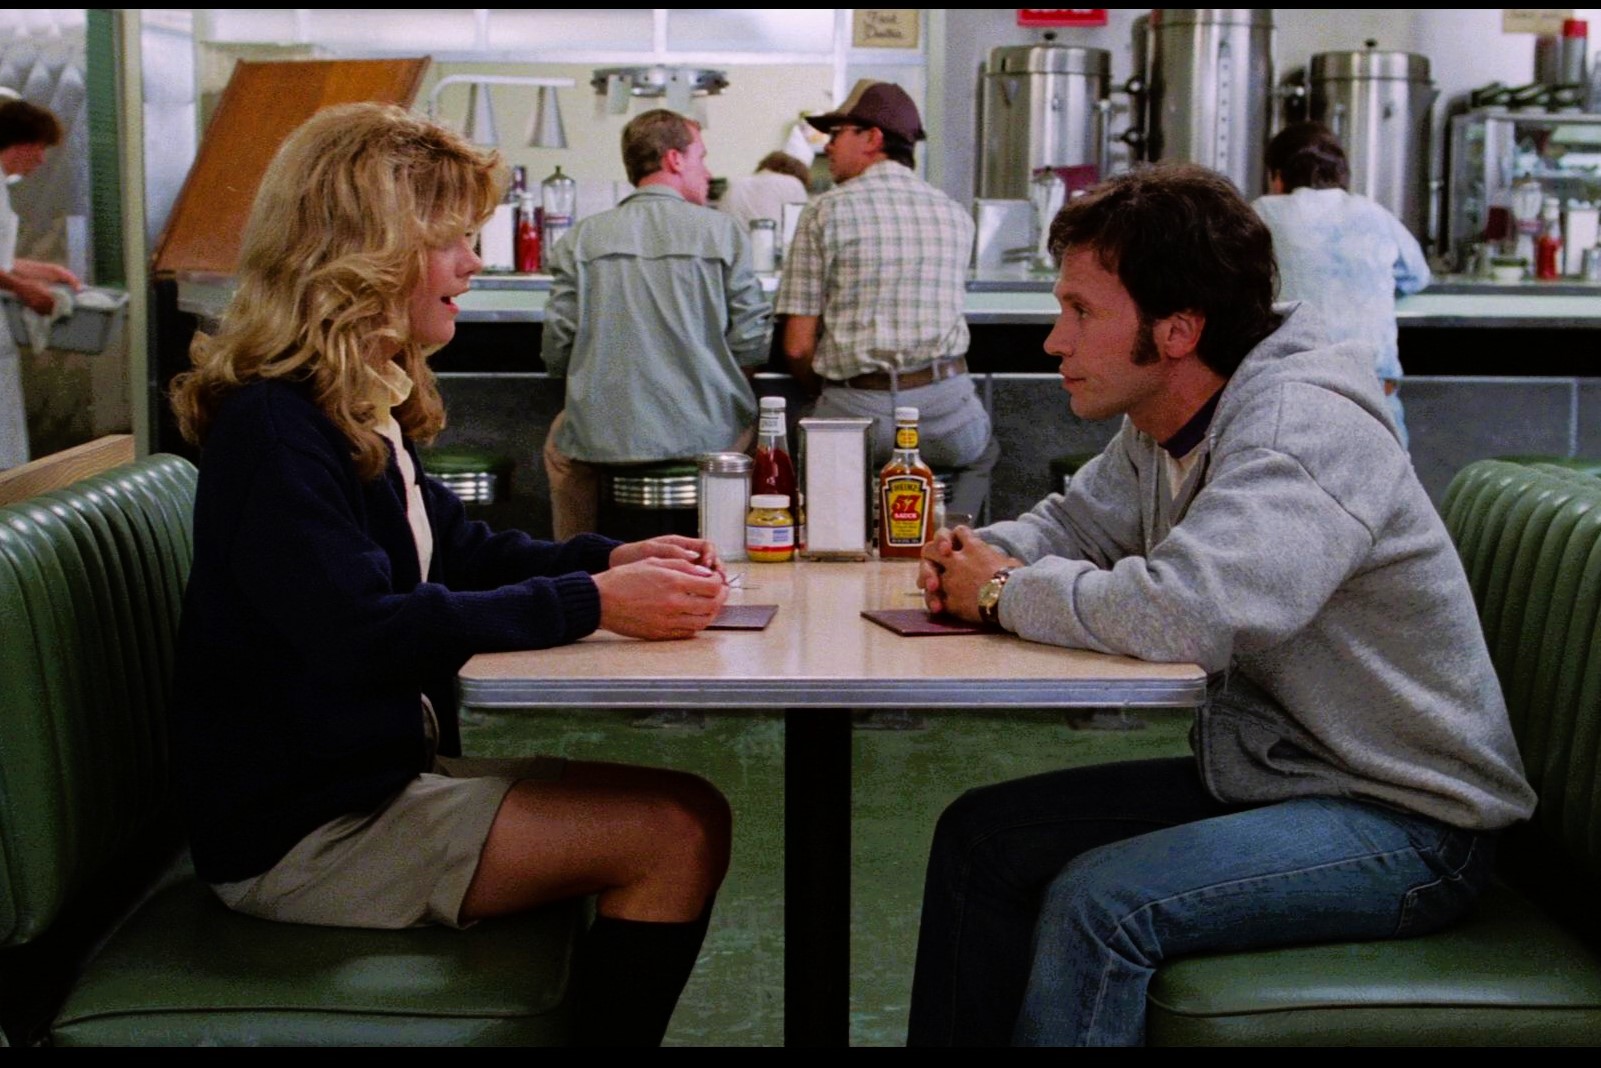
[764, 245]
[1590, 267]
[724, 485]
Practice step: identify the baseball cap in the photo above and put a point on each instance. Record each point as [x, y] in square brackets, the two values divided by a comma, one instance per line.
[871, 103]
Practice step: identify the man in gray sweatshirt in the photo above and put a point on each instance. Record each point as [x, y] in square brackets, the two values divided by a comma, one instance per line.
[1256, 514]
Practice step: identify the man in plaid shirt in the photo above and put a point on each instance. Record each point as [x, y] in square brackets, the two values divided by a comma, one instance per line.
[873, 287]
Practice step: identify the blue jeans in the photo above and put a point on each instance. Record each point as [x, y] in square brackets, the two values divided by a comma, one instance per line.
[1050, 901]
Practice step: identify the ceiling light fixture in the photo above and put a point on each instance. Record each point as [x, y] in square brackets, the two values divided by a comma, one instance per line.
[544, 128]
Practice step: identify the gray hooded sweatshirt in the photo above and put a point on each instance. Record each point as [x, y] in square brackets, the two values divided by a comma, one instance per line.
[1304, 567]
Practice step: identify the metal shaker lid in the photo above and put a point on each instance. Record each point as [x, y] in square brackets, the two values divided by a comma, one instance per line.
[1370, 64]
[1049, 59]
[724, 463]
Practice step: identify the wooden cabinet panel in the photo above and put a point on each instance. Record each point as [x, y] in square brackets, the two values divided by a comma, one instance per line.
[262, 103]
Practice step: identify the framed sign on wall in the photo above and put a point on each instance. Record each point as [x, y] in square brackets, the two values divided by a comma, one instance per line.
[885, 27]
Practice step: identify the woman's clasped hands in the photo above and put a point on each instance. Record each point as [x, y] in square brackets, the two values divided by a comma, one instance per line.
[667, 587]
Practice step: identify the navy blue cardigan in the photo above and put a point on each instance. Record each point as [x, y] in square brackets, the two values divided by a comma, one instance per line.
[308, 634]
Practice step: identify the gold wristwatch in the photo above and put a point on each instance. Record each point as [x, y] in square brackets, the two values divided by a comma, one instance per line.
[989, 597]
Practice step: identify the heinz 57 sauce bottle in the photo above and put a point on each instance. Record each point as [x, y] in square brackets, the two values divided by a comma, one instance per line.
[905, 494]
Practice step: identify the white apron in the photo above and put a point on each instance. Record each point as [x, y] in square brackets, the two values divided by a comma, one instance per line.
[13, 414]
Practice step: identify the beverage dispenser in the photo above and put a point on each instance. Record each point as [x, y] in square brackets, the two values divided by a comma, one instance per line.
[1042, 105]
[1379, 105]
[1210, 90]
[559, 208]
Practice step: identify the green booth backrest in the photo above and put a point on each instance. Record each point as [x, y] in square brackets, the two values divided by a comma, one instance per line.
[91, 587]
[1530, 540]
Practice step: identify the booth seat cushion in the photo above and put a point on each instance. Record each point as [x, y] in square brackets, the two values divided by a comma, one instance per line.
[1508, 976]
[185, 970]
[1525, 968]
[91, 588]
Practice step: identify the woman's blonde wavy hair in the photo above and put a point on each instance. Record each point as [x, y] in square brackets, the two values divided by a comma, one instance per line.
[337, 240]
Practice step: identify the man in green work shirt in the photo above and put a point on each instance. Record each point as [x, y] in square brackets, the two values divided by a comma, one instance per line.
[656, 319]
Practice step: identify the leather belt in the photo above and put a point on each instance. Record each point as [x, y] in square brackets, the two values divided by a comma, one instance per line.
[938, 371]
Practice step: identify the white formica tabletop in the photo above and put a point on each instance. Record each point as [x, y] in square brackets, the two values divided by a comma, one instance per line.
[818, 652]
[817, 660]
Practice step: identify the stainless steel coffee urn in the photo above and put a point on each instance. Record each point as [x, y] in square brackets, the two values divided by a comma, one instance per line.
[1379, 105]
[1042, 106]
[1210, 90]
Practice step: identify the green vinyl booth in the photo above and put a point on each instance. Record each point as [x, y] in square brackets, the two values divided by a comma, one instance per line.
[1524, 969]
[1583, 465]
[106, 937]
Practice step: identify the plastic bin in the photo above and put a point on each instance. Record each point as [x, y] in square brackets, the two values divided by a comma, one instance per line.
[85, 330]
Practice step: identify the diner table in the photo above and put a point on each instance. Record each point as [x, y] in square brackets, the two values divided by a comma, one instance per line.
[818, 660]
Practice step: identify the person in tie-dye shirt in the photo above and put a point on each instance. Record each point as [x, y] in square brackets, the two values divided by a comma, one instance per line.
[1338, 250]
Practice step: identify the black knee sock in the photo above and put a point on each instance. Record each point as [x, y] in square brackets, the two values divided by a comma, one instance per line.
[629, 975]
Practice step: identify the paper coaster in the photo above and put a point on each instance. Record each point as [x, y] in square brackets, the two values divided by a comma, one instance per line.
[916, 623]
[743, 617]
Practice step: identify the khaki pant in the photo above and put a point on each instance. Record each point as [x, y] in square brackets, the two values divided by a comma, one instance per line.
[408, 864]
[575, 484]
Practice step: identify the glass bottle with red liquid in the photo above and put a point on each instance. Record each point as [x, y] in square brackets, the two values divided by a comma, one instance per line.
[1548, 246]
[528, 261]
[774, 470]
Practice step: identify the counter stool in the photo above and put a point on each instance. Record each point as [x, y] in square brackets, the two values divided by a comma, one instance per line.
[1063, 468]
[475, 475]
[1584, 465]
[639, 501]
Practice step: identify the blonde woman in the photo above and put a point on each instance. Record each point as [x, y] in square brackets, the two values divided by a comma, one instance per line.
[336, 590]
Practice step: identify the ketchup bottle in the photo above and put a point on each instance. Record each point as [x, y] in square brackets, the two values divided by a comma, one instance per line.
[1548, 246]
[774, 471]
[528, 236]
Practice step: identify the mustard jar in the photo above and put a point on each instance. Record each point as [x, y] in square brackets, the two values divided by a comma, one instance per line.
[769, 529]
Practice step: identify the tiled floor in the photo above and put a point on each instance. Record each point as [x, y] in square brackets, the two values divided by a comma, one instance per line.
[903, 779]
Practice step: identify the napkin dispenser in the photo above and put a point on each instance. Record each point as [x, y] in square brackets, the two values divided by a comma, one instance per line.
[836, 487]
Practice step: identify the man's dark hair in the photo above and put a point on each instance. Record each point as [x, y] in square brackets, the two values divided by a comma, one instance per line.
[898, 148]
[1180, 237]
[22, 123]
[1308, 153]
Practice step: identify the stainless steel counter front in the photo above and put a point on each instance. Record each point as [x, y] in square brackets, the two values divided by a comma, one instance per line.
[1025, 299]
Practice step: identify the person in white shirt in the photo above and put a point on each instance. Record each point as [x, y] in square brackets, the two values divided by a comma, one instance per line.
[1342, 252]
[779, 179]
[27, 132]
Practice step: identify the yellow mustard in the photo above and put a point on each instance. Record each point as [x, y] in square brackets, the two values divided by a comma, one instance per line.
[769, 529]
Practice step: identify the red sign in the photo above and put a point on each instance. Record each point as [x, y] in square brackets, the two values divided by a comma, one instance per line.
[1052, 16]
[906, 507]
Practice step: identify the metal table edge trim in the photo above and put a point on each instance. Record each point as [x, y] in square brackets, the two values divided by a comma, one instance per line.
[748, 693]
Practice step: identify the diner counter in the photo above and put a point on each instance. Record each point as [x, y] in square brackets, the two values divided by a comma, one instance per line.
[1024, 299]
